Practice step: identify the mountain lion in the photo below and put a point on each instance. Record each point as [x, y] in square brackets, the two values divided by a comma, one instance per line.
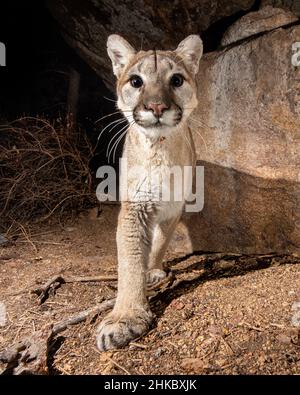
[156, 92]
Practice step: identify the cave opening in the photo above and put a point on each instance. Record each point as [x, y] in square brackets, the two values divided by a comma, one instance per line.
[35, 81]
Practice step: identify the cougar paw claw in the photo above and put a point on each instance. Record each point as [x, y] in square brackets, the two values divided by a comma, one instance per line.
[116, 330]
[154, 276]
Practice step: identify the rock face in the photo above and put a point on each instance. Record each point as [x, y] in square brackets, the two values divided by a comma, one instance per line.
[267, 18]
[87, 24]
[291, 5]
[247, 135]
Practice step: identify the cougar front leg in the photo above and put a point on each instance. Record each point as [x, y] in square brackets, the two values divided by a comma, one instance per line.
[131, 316]
[162, 235]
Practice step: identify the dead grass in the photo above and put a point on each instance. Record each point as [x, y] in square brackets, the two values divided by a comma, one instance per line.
[44, 169]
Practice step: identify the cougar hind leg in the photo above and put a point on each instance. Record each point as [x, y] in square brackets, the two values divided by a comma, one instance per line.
[161, 238]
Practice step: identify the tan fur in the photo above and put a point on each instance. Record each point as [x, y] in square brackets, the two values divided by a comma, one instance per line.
[145, 226]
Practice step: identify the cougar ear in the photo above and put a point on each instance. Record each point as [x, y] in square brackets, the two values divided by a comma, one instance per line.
[191, 50]
[120, 53]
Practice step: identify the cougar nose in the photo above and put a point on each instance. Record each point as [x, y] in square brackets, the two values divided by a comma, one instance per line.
[157, 108]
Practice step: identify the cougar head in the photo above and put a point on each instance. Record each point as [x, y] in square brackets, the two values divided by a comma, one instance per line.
[156, 89]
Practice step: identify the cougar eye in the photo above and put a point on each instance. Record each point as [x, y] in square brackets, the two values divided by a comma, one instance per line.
[136, 81]
[177, 80]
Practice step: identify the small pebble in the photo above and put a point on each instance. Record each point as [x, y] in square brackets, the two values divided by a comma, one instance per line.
[70, 229]
[158, 352]
[284, 339]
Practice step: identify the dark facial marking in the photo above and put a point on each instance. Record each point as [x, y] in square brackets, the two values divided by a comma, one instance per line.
[155, 61]
[139, 67]
[170, 65]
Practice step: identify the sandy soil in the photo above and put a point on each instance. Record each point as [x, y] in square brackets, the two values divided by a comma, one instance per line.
[226, 314]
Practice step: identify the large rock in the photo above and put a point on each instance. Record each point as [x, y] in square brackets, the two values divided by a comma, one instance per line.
[291, 5]
[266, 19]
[162, 24]
[249, 118]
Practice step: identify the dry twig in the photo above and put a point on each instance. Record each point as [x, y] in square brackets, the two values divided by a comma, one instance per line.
[31, 354]
[50, 286]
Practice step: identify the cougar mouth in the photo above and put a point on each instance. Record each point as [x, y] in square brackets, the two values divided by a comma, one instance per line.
[170, 118]
[158, 124]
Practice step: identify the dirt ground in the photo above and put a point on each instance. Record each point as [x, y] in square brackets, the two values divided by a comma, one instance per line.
[223, 314]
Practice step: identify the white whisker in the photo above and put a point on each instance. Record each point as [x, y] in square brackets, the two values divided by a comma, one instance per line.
[107, 98]
[115, 123]
[189, 143]
[199, 122]
[119, 140]
[117, 143]
[199, 134]
[108, 115]
[113, 140]
[111, 114]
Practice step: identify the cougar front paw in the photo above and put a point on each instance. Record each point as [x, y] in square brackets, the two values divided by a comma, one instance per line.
[116, 330]
[154, 276]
